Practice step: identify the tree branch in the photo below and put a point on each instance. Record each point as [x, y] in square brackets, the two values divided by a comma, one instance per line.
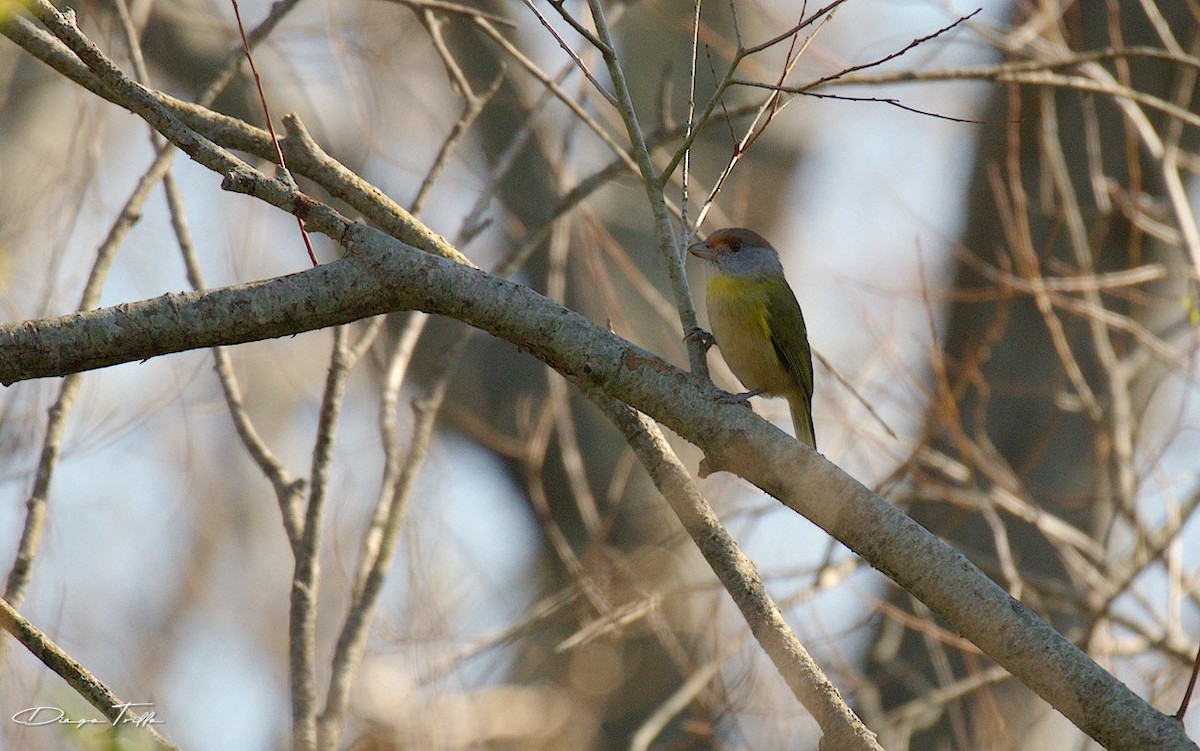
[77, 676]
[379, 274]
[842, 729]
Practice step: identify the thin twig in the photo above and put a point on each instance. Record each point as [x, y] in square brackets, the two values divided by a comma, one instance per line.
[35, 504]
[238, 175]
[306, 578]
[234, 59]
[560, 398]
[378, 548]
[718, 96]
[1187, 694]
[262, 98]
[379, 540]
[1012, 201]
[583, 31]
[552, 85]
[1000, 74]
[766, 114]
[685, 228]
[824, 13]
[664, 229]
[77, 677]
[461, 10]
[473, 106]
[893, 55]
[346, 185]
[683, 697]
[537, 431]
[839, 724]
[892, 101]
[287, 489]
[567, 48]
[1119, 414]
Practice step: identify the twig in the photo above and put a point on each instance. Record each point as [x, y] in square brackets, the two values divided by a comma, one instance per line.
[378, 548]
[238, 175]
[842, 729]
[476, 219]
[664, 229]
[473, 106]
[807, 89]
[742, 52]
[1177, 194]
[567, 48]
[892, 101]
[305, 157]
[560, 398]
[380, 537]
[893, 55]
[685, 227]
[767, 109]
[79, 678]
[287, 490]
[35, 504]
[1119, 413]
[1035, 77]
[1187, 694]
[823, 13]
[683, 697]
[461, 10]
[233, 61]
[536, 433]
[346, 185]
[306, 578]
[262, 98]
[533, 618]
[938, 698]
[374, 546]
[552, 85]
[580, 29]
[1012, 201]
[1055, 286]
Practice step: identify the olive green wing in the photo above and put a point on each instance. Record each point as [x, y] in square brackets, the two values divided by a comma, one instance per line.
[789, 337]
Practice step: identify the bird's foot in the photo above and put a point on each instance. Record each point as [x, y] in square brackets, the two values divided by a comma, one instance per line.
[698, 334]
[742, 399]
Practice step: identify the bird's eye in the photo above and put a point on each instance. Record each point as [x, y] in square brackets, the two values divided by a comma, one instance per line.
[735, 246]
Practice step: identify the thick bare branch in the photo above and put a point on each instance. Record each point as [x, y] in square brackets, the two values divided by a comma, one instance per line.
[379, 274]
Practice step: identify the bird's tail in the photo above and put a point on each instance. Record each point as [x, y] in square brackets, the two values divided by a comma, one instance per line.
[802, 420]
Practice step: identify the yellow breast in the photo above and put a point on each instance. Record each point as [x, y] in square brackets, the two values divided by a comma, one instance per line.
[737, 313]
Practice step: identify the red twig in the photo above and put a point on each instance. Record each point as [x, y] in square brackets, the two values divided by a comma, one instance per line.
[312, 255]
[1187, 695]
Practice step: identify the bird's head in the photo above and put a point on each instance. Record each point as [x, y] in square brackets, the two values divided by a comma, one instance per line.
[736, 250]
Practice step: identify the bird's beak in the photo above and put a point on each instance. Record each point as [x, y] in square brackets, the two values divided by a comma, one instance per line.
[703, 250]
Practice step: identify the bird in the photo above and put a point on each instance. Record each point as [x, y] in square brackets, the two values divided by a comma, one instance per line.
[756, 322]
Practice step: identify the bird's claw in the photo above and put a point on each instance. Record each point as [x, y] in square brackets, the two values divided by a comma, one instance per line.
[742, 399]
[700, 335]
